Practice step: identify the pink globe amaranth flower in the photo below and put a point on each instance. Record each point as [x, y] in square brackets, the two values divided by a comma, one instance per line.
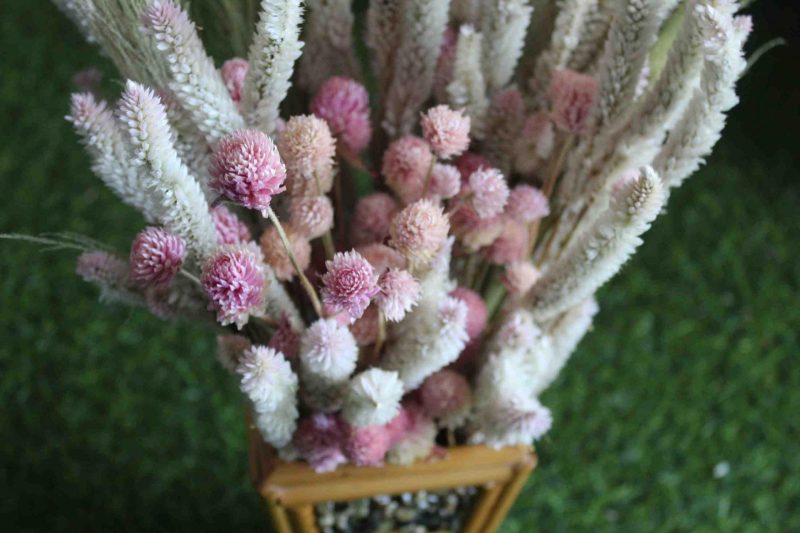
[527, 204]
[405, 166]
[519, 277]
[488, 192]
[233, 279]
[247, 169]
[473, 231]
[308, 149]
[233, 73]
[510, 246]
[418, 231]
[572, 97]
[156, 256]
[275, 253]
[285, 339]
[367, 445]
[447, 131]
[344, 104]
[311, 216]
[477, 314]
[444, 393]
[403, 422]
[445, 181]
[381, 257]
[372, 218]
[399, 293]
[319, 440]
[349, 284]
[365, 329]
[230, 230]
[469, 162]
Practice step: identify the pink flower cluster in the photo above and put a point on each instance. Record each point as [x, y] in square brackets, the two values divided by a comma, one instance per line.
[344, 104]
[348, 284]
[234, 282]
[156, 256]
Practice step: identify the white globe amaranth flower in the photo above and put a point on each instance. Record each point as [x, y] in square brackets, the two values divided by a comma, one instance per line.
[373, 398]
[328, 350]
[267, 378]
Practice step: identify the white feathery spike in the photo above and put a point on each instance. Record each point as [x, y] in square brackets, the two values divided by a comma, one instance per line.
[467, 90]
[328, 355]
[329, 48]
[110, 153]
[185, 211]
[465, 11]
[383, 24]
[194, 80]
[75, 10]
[503, 25]
[276, 46]
[590, 44]
[422, 26]
[600, 251]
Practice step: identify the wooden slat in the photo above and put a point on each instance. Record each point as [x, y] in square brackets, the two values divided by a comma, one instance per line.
[509, 495]
[483, 508]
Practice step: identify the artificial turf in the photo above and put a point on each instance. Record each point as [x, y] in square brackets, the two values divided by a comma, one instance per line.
[678, 412]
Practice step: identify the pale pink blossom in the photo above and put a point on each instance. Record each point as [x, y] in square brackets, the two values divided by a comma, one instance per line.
[234, 282]
[527, 204]
[572, 97]
[444, 393]
[473, 231]
[233, 73]
[247, 169]
[275, 253]
[447, 131]
[510, 246]
[405, 166]
[487, 192]
[285, 339]
[156, 256]
[399, 292]
[382, 257]
[366, 446]
[349, 283]
[319, 440]
[469, 162]
[477, 314]
[308, 149]
[418, 231]
[519, 277]
[445, 181]
[403, 421]
[372, 218]
[365, 329]
[311, 216]
[230, 230]
[344, 104]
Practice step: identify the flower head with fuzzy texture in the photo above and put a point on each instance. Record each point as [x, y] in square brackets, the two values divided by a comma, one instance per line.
[328, 350]
[418, 231]
[275, 253]
[445, 181]
[405, 167]
[381, 257]
[247, 169]
[373, 398]
[156, 256]
[399, 293]
[267, 378]
[488, 192]
[510, 246]
[366, 446]
[572, 98]
[230, 230]
[311, 216]
[233, 73]
[477, 314]
[527, 204]
[519, 277]
[233, 279]
[446, 130]
[372, 218]
[365, 329]
[285, 339]
[319, 440]
[308, 148]
[444, 393]
[469, 162]
[349, 284]
[344, 104]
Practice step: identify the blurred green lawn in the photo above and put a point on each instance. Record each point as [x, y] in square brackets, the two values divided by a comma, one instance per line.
[112, 419]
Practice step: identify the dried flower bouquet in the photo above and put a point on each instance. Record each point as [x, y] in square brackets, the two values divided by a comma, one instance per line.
[508, 184]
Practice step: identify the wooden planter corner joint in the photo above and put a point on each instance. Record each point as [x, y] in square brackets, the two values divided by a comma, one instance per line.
[292, 489]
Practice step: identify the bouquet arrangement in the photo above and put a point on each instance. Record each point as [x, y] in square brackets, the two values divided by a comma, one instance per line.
[398, 243]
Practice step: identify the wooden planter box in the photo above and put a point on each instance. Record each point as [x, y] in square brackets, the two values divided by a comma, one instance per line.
[292, 489]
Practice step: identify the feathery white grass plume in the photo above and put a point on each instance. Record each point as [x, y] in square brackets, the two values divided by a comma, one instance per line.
[422, 25]
[701, 125]
[373, 398]
[266, 378]
[600, 251]
[276, 46]
[72, 9]
[631, 35]
[383, 28]
[184, 208]
[431, 336]
[329, 49]
[503, 125]
[278, 425]
[110, 153]
[194, 80]
[596, 22]
[503, 26]
[569, 25]
[519, 422]
[467, 90]
[190, 143]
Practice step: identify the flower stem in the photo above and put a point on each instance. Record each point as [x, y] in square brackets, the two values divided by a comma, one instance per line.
[549, 186]
[309, 288]
[428, 177]
[381, 338]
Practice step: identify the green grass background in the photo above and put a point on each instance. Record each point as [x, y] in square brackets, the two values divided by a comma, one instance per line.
[111, 419]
